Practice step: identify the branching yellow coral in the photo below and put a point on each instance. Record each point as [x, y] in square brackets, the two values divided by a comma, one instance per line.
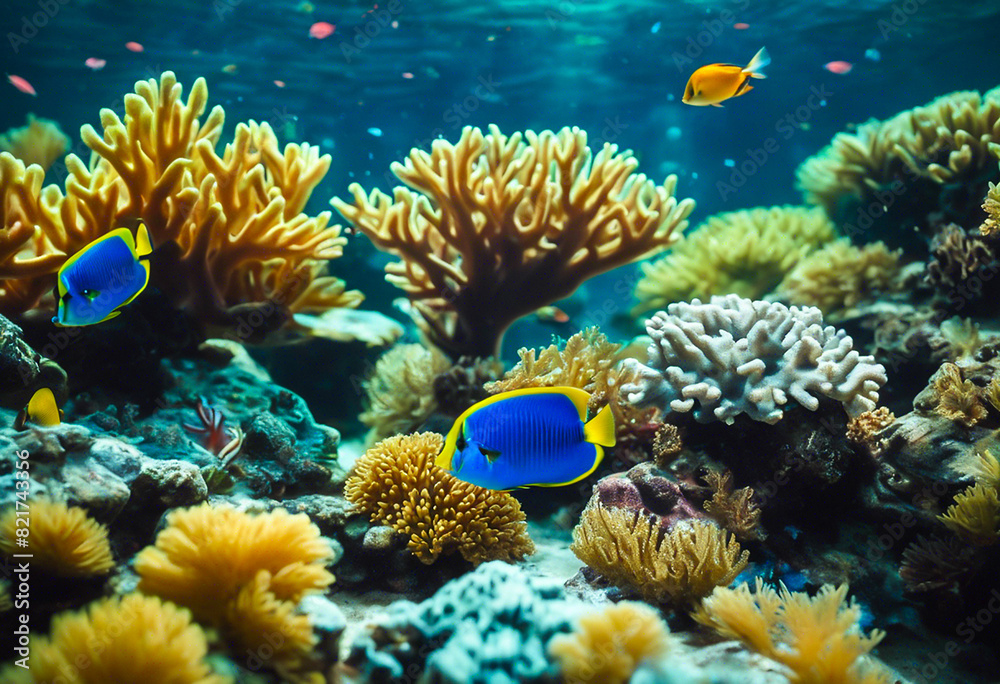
[991, 205]
[126, 640]
[63, 540]
[958, 399]
[397, 484]
[400, 392]
[975, 515]
[839, 275]
[743, 252]
[630, 550]
[949, 139]
[40, 142]
[493, 227]
[231, 239]
[817, 638]
[987, 470]
[607, 646]
[224, 548]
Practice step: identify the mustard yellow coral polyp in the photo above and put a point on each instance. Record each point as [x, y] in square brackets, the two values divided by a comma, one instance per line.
[62, 540]
[131, 639]
[224, 549]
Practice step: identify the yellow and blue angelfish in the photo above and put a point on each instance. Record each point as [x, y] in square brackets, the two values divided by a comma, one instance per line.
[537, 437]
[41, 410]
[100, 279]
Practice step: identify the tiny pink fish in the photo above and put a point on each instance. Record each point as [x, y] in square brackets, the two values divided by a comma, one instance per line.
[134, 46]
[838, 67]
[280, 84]
[741, 26]
[22, 85]
[407, 74]
[95, 63]
[321, 30]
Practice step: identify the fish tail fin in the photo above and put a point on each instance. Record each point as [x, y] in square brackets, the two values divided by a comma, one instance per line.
[757, 64]
[601, 428]
[143, 246]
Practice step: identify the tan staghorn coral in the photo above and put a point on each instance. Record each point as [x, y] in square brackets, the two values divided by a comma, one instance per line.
[493, 227]
[63, 540]
[817, 639]
[839, 276]
[397, 484]
[125, 639]
[991, 205]
[40, 142]
[745, 252]
[631, 551]
[400, 392]
[259, 567]
[233, 246]
[734, 510]
[607, 646]
[957, 399]
[975, 515]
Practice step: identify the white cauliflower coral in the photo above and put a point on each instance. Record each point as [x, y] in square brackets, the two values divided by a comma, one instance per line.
[734, 355]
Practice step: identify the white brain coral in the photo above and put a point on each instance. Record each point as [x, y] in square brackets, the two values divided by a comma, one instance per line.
[735, 355]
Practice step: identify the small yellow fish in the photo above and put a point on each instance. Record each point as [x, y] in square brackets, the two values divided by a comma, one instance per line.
[715, 83]
[41, 410]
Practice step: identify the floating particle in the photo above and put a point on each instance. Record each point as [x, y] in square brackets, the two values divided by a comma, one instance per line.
[729, 162]
[694, 175]
[375, 132]
[22, 85]
[327, 143]
[230, 69]
[280, 84]
[305, 7]
[431, 72]
[407, 74]
[490, 38]
[655, 28]
[134, 46]
[741, 26]
[674, 133]
[321, 30]
[394, 24]
[838, 67]
[95, 63]
[873, 54]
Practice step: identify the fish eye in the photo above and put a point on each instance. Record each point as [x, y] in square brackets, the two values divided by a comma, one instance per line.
[91, 294]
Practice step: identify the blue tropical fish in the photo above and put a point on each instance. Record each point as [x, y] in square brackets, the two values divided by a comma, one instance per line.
[530, 437]
[96, 282]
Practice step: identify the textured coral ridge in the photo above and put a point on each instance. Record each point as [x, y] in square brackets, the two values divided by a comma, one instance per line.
[229, 230]
[397, 484]
[514, 221]
[734, 356]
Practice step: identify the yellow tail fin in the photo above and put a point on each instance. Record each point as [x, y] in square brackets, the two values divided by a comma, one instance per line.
[601, 428]
[143, 247]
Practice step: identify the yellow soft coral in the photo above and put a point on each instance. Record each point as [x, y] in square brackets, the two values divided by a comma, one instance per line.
[957, 399]
[234, 247]
[630, 550]
[744, 252]
[400, 391]
[62, 540]
[991, 205]
[951, 139]
[839, 275]
[131, 639]
[975, 515]
[607, 646]
[817, 638]
[397, 484]
[224, 548]
[493, 227]
[40, 142]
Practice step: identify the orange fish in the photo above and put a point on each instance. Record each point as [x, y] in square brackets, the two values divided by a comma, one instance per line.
[716, 83]
[321, 30]
[22, 85]
[134, 46]
[838, 67]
